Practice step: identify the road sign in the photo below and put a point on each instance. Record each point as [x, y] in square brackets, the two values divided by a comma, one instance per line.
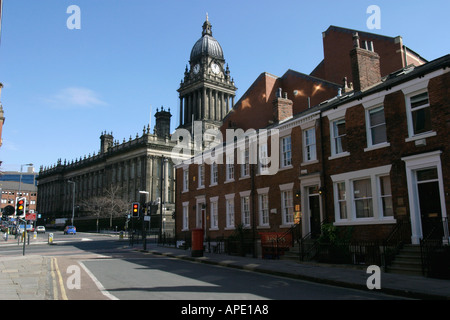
[30, 217]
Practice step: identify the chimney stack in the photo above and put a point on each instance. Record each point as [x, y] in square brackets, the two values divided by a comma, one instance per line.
[282, 107]
[365, 66]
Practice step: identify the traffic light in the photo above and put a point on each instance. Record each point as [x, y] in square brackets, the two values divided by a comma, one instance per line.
[135, 209]
[20, 207]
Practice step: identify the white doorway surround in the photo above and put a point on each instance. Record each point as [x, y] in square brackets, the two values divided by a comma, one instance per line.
[416, 166]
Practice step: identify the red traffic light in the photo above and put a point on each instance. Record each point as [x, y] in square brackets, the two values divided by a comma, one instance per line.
[135, 209]
[20, 206]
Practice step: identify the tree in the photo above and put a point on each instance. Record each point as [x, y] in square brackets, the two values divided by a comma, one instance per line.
[115, 205]
[96, 206]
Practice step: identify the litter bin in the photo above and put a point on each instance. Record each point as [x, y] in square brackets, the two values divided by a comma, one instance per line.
[197, 243]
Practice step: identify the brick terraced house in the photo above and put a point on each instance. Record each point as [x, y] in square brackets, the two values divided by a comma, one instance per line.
[369, 155]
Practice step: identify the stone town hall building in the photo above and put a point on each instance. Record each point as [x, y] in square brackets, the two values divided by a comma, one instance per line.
[145, 163]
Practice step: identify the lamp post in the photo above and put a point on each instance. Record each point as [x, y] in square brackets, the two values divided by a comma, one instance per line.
[20, 195]
[73, 199]
[164, 161]
[20, 175]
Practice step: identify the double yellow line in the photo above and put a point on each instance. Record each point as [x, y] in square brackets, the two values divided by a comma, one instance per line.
[57, 280]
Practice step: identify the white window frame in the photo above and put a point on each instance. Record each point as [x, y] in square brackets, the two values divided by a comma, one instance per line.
[384, 196]
[263, 161]
[185, 216]
[309, 148]
[201, 176]
[214, 213]
[185, 180]
[245, 164]
[286, 152]
[357, 199]
[410, 91]
[410, 111]
[263, 207]
[340, 201]
[214, 174]
[230, 212]
[370, 144]
[348, 178]
[229, 168]
[245, 208]
[287, 205]
[334, 151]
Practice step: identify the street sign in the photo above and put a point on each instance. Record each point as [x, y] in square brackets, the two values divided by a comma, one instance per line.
[30, 217]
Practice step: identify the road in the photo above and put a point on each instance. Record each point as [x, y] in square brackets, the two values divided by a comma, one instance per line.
[101, 267]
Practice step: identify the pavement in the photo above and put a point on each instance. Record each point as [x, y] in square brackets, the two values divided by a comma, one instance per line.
[33, 277]
[356, 277]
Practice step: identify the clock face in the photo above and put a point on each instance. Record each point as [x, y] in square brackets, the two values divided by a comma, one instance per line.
[215, 68]
[196, 68]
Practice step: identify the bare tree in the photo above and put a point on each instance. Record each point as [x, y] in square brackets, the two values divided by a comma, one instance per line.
[96, 206]
[115, 205]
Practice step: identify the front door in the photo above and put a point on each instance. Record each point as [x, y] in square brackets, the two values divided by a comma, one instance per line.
[314, 210]
[429, 203]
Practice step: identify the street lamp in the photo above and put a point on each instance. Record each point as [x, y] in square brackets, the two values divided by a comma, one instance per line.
[73, 200]
[20, 175]
[24, 209]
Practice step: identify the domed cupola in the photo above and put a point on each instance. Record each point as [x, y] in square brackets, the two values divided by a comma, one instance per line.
[207, 90]
[206, 45]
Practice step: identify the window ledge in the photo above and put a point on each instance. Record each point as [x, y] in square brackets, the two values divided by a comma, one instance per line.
[377, 146]
[286, 167]
[339, 155]
[306, 163]
[421, 136]
[365, 222]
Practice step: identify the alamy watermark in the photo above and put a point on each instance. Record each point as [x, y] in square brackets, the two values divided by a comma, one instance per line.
[209, 146]
[74, 20]
[374, 20]
[374, 280]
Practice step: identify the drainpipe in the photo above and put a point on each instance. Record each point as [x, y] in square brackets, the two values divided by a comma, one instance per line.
[253, 207]
[323, 175]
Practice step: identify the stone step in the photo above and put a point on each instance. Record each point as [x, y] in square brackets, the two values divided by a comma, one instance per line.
[407, 261]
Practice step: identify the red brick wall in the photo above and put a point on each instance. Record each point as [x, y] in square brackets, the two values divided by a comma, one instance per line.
[337, 44]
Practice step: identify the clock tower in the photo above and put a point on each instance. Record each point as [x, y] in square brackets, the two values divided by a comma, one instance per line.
[207, 91]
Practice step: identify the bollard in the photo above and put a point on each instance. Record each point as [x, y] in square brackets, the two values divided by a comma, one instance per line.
[121, 235]
[35, 235]
[50, 238]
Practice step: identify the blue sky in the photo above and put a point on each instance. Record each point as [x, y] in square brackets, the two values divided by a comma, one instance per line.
[63, 87]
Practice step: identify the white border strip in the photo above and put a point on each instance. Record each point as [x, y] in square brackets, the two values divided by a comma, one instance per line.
[97, 283]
